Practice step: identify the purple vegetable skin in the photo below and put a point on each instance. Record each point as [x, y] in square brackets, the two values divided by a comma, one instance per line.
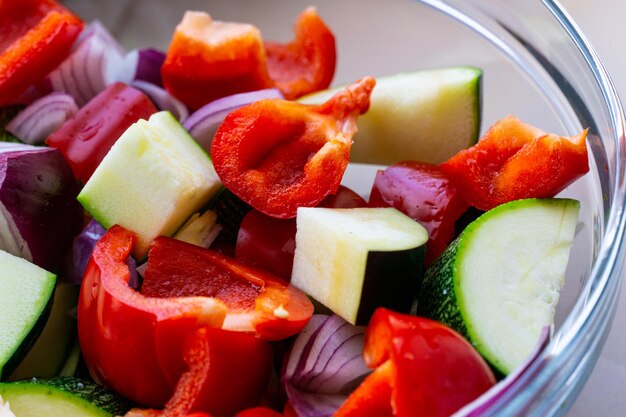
[149, 63]
[309, 404]
[38, 204]
[134, 281]
[76, 261]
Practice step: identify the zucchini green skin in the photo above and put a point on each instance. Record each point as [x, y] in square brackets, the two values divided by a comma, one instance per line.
[89, 391]
[54, 345]
[440, 296]
[437, 296]
[29, 341]
[92, 398]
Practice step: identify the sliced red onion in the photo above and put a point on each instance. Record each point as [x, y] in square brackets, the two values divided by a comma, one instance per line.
[8, 113]
[42, 117]
[347, 371]
[309, 404]
[203, 123]
[334, 328]
[39, 213]
[141, 269]
[134, 281]
[15, 146]
[92, 65]
[484, 402]
[301, 342]
[149, 65]
[162, 99]
[75, 262]
[146, 65]
[324, 365]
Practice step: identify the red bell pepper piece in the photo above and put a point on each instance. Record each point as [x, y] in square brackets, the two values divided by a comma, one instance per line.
[514, 160]
[279, 155]
[259, 412]
[289, 411]
[227, 372]
[222, 375]
[35, 37]
[209, 59]
[424, 193]
[372, 398]
[85, 139]
[306, 64]
[256, 301]
[138, 412]
[269, 243]
[148, 348]
[431, 370]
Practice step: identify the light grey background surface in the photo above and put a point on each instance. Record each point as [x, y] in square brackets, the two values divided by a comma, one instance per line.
[601, 20]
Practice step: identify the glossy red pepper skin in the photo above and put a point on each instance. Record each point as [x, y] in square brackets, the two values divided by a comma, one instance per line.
[424, 193]
[434, 371]
[289, 411]
[256, 301]
[269, 243]
[85, 139]
[372, 398]
[279, 155]
[138, 412]
[307, 64]
[35, 37]
[226, 372]
[259, 412]
[131, 342]
[514, 160]
[152, 350]
[207, 60]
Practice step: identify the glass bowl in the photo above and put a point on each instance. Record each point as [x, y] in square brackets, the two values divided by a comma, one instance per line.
[537, 65]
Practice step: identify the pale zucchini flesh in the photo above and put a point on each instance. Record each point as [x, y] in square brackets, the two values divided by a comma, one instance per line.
[62, 397]
[343, 255]
[26, 291]
[499, 282]
[423, 116]
[54, 345]
[154, 177]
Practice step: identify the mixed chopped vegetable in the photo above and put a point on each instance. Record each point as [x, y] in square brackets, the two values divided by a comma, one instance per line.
[224, 270]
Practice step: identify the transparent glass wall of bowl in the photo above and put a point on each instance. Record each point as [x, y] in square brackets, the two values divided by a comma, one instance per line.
[540, 42]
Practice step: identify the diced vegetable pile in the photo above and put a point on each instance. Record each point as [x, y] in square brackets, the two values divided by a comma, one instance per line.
[176, 239]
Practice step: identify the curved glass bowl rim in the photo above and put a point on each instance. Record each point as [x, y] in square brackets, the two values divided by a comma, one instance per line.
[606, 272]
[595, 301]
[612, 243]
